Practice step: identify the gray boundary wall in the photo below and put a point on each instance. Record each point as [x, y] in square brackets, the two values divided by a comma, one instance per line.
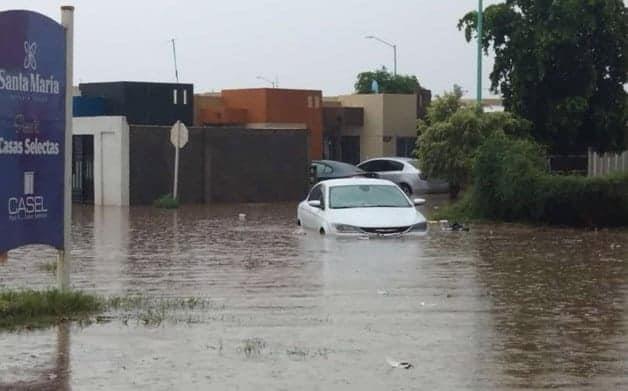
[607, 163]
[220, 165]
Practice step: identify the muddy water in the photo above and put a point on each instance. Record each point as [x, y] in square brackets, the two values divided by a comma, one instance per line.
[500, 307]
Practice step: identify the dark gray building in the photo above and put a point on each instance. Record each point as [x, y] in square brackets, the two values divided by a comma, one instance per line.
[144, 103]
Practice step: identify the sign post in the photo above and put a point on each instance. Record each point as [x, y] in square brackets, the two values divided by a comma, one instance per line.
[179, 137]
[64, 259]
[36, 132]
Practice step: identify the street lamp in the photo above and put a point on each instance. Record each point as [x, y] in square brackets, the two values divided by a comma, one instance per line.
[480, 35]
[272, 83]
[387, 44]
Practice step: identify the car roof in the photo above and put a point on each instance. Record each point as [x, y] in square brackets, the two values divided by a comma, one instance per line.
[357, 182]
[340, 167]
[397, 159]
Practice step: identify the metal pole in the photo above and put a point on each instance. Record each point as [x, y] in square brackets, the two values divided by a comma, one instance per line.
[174, 54]
[175, 190]
[480, 35]
[395, 53]
[64, 258]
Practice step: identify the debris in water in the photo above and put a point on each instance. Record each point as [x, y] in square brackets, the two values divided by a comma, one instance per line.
[242, 217]
[456, 227]
[397, 364]
[382, 292]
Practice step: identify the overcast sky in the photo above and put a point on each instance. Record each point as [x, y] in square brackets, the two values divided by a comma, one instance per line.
[316, 44]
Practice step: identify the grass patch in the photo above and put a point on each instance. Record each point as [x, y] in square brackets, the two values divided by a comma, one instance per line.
[460, 211]
[166, 202]
[32, 309]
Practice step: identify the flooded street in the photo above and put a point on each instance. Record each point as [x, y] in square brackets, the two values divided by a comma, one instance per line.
[500, 307]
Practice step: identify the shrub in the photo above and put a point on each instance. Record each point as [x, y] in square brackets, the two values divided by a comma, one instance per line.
[511, 183]
[166, 202]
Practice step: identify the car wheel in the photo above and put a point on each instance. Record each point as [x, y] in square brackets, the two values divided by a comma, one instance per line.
[406, 189]
[322, 231]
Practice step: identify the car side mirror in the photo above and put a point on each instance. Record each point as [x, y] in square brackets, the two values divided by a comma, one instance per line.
[314, 203]
[419, 201]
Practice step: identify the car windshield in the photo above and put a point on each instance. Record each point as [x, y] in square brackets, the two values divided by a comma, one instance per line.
[367, 196]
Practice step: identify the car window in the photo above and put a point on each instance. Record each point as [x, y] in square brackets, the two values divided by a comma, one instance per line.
[391, 165]
[367, 196]
[322, 169]
[372, 166]
[315, 194]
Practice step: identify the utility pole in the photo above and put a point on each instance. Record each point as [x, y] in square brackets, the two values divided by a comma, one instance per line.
[480, 35]
[174, 55]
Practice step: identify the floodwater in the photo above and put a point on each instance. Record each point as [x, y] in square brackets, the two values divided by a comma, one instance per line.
[503, 307]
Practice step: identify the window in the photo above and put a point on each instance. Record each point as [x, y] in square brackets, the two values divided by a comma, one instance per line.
[391, 165]
[310, 102]
[406, 146]
[174, 96]
[317, 195]
[381, 165]
[185, 97]
[367, 196]
[317, 102]
[322, 169]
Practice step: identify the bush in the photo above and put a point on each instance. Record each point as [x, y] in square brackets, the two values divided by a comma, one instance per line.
[511, 183]
[166, 202]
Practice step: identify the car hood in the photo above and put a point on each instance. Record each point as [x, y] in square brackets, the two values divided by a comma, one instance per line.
[376, 217]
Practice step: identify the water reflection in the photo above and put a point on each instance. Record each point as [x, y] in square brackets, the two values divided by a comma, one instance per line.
[40, 366]
[559, 303]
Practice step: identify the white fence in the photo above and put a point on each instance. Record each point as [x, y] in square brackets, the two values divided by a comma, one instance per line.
[604, 164]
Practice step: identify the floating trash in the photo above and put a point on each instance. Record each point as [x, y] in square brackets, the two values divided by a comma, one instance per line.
[398, 364]
[242, 217]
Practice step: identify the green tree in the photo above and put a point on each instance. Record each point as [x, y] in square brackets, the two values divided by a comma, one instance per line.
[561, 64]
[388, 83]
[451, 134]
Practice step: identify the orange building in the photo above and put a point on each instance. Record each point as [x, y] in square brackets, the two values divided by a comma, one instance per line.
[265, 108]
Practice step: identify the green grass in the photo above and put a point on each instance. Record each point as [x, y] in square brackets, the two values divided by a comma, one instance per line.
[166, 202]
[460, 210]
[33, 309]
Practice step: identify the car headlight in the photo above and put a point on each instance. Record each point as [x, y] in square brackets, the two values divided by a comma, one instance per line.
[346, 229]
[420, 227]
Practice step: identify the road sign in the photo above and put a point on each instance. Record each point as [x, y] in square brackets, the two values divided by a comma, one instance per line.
[179, 135]
[32, 130]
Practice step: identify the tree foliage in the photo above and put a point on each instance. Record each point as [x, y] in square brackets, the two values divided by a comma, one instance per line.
[451, 134]
[388, 83]
[561, 64]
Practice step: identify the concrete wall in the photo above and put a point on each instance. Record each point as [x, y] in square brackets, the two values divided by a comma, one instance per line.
[220, 165]
[111, 157]
[604, 164]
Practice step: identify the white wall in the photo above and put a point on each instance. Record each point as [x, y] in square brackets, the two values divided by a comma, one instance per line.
[111, 157]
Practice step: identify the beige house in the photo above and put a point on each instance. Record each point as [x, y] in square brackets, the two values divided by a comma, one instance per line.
[389, 126]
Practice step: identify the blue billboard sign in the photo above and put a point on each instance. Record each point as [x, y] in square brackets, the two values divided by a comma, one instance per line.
[32, 130]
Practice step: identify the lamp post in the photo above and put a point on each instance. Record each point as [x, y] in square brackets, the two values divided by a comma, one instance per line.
[387, 44]
[272, 83]
[480, 35]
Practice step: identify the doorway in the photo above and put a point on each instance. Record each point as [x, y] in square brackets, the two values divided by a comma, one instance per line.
[83, 169]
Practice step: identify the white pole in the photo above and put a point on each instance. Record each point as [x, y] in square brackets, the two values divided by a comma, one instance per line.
[64, 259]
[176, 162]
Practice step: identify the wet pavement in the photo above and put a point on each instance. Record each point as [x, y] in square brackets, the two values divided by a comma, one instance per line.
[500, 307]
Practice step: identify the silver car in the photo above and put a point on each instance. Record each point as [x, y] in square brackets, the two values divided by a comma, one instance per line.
[405, 172]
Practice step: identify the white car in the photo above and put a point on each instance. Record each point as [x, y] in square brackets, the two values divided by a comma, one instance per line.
[360, 206]
[406, 173]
